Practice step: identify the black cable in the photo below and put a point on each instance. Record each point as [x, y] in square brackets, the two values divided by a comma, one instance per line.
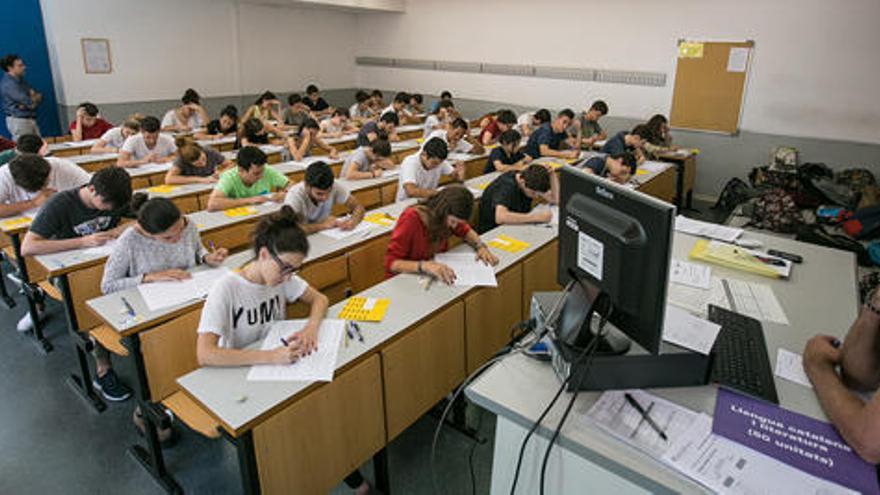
[589, 362]
[471, 454]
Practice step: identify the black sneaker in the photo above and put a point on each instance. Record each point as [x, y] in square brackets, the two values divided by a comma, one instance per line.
[111, 387]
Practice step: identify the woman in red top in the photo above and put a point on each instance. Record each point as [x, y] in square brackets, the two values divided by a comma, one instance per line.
[503, 121]
[424, 229]
[87, 124]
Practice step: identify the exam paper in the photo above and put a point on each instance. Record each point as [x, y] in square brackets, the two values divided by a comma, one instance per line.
[686, 330]
[391, 173]
[318, 366]
[737, 59]
[790, 365]
[158, 295]
[705, 229]
[690, 274]
[468, 271]
[654, 167]
[697, 300]
[102, 250]
[755, 300]
[339, 234]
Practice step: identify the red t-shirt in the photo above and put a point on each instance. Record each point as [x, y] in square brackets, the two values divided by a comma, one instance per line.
[491, 129]
[6, 144]
[94, 132]
[409, 240]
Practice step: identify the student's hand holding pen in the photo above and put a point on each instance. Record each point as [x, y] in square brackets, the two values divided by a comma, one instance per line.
[286, 353]
[216, 256]
[172, 275]
[306, 340]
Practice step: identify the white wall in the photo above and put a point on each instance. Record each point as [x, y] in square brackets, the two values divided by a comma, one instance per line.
[814, 74]
[161, 47]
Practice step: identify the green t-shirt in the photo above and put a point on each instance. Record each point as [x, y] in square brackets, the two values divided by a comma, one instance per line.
[232, 187]
[6, 156]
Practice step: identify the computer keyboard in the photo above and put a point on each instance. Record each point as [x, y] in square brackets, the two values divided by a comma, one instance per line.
[739, 356]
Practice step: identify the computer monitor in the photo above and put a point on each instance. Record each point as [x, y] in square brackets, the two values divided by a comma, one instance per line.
[616, 243]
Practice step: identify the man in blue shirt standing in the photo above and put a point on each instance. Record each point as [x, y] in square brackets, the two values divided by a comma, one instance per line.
[19, 100]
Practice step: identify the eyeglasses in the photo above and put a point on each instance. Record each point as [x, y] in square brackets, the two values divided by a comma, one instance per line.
[286, 268]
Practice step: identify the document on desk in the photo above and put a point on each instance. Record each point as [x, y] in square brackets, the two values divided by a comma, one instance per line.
[790, 365]
[468, 270]
[391, 173]
[686, 330]
[654, 167]
[748, 298]
[724, 466]
[690, 274]
[102, 250]
[554, 212]
[705, 229]
[158, 295]
[360, 229]
[614, 414]
[316, 367]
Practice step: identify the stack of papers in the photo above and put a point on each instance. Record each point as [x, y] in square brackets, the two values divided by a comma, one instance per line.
[686, 330]
[158, 295]
[468, 270]
[318, 366]
[705, 229]
[751, 299]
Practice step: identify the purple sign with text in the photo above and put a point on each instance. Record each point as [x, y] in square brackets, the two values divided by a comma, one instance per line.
[797, 440]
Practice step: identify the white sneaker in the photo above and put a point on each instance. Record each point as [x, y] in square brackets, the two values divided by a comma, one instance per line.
[25, 324]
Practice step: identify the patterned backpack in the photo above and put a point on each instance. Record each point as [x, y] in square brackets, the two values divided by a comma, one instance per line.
[775, 210]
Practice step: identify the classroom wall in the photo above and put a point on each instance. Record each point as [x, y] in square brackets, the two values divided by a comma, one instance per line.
[225, 50]
[812, 82]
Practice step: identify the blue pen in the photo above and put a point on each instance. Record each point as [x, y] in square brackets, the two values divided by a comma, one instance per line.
[357, 328]
[348, 329]
[284, 341]
[128, 307]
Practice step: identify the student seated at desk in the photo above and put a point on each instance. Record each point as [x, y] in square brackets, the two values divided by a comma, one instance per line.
[317, 105]
[586, 129]
[146, 147]
[456, 138]
[337, 125]
[29, 180]
[504, 120]
[360, 110]
[550, 138]
[507, 156]
[112, 140]
[660, 140]
[372, 130]
[377, 101]
[225, 125]
[444, 96]
[528, 122]
[297, 113]
[442, 115]
[313, 200]
[189, 116]
[423, 230]
[368, 162]
[80, 218]
[27, 143]
[266, 108]
[300, 145]
[255, 132]
[249, 183]
[195, 164]
[837, 370]
[628, 141]
[87, 124]
[242, 306]
[414, 107]
[398, 104]
[159, 247]
[420, 172]
[619, 168]
[508, 199]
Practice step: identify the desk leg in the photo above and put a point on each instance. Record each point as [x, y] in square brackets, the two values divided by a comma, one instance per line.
[153, 415]
[247, 462]
[380, 471]
[32, 293]
[82, 383]
[5, 299]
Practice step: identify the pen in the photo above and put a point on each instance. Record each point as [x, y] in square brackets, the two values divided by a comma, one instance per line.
[638, 407]
[770, 261]
[348, 330]
[284, 341]
[357, 329]
[128, 306]
[427, 281]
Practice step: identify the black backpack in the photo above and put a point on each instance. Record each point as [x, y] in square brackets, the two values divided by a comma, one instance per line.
[735, 192]
[816, 234]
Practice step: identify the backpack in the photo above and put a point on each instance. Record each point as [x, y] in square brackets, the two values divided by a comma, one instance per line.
[867, 284]
[816, 234]
[863, 223]
[775, 210]
[735, 192]
[784, 158]
[770, 178]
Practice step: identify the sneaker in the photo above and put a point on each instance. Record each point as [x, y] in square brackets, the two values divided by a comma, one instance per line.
[26, 323]
[111, 387]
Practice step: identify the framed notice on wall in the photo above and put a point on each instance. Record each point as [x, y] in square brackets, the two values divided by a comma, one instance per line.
[96, 55]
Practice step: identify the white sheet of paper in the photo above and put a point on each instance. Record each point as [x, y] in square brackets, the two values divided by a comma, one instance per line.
[690, 274]
[316, 367]
[738, 59]
[686, 330]
[468, 271]
[654, 167]
[102, 250]
[755, 300]
[476, 192]
[697, 301]
[727, 467]
[705, 229]
[790, 365]
[336, 233]
[160, 295]
[391, 173]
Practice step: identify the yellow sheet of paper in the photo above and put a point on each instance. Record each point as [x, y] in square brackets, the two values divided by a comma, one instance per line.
[241, 211]
[164, 188]
[690, 49]
[354, 309]
[729, 256]
[382, 219]
[641, 172]
[15, 222]
[509, 244]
